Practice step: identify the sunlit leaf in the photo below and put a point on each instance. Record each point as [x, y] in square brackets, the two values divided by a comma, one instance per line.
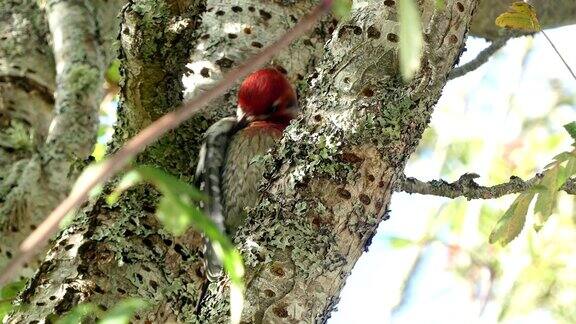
[411, 40]
[520, 16]
[76, 314]
[546, 201]
[512, 222]
[122, 312]
[341, 8]
[398, 242]
[571, 129]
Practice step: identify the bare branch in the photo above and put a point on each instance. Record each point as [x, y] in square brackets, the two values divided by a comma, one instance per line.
[465, 186]
[482, 58]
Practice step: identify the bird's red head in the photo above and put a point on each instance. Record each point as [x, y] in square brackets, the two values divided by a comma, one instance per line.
[267, 95]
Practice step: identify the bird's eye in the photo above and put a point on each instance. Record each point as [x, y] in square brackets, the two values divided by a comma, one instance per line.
[274, 108]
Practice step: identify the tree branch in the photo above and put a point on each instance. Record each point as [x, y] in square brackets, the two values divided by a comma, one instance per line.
[465, 186]
[482, 58]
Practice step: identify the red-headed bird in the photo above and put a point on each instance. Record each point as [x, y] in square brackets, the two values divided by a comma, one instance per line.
[266, 105]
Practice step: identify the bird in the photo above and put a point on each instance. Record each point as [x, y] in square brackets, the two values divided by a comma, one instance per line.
[266, 104]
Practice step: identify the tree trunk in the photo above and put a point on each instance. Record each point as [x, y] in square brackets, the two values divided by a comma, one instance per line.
[328, 183]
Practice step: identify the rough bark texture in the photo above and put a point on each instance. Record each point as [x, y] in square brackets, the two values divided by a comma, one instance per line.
[34, 66]
[114, 252]
[550, 14]
[329, 183]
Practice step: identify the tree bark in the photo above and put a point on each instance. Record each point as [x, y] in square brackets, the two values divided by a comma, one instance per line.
[329, 182]
[45, 137]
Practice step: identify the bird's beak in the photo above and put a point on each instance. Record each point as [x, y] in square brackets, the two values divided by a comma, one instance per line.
[242, 118]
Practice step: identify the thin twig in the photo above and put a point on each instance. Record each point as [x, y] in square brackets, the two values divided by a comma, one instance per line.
[559, 55]
[480, 59]
[467, 187]
[109, 167]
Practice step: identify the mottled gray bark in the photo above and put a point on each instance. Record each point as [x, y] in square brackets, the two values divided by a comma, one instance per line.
[551, 14]
[62, 48]
[329, 182]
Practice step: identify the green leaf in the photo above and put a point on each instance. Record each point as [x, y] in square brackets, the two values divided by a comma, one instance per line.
[571, 129]
[398, 242]
[546, 201]
[76, 314]
[520, 16]
[410, 38]
[440, 4]
[512, 222]
[113, 72]
[341, 8]
[7, 294]
[122, 313]
[10, 290]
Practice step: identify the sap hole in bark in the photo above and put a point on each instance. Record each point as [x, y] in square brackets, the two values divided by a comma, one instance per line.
[236, 9]
[167, 242]
[453, 39]
[379, 205]
[153, 284]
[32, 227]
[389, 3]
[251, 9]
[281, 311]
[256, 44]
[30, 71]
[277, 270]
[343, 193]
[146, 268]
[40, 304]
[357, 30]
[269, 293]
[16, 67]
[139, 278]
[367, 92]
[205, 36]
[180, 250]
[317, 118]
[371, 178]
[99, 289]
[68, 247]
[460, 6]
[148, 243]
[102, 307]
[247, 30]
[220, 13]
[293, 18]
[9, 254]
[351, 158]
[34, 322]
[373, 32]
[14, 229]
[392, 37]
[205, 72]
[232, 36]
[364, 199]
[121, 291]
[381, 184]
[265, 14]
[224, 62]
[52, 297]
